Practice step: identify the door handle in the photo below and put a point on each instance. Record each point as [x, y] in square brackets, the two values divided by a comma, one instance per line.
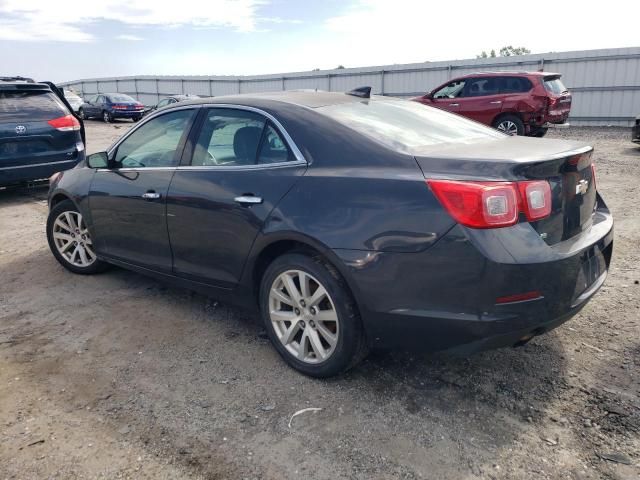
[497, 102]
[150, 195]
[247, 200]
[454, 104]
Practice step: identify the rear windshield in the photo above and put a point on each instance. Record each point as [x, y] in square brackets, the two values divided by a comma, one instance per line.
[554, 85]
[30, 105]
[404, 125]
[121, 98]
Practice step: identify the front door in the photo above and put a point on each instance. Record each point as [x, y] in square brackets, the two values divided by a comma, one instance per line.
[447, 96]
[128, 200]
[241, 167]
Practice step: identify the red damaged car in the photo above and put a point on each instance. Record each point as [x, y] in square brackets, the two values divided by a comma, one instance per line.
[517, 103]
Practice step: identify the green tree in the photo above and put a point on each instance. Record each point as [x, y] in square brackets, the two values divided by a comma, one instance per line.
[505, 52]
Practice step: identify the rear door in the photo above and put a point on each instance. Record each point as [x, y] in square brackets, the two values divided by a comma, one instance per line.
[481, 99]
[28, 141]
[241, 164]
[128, 201]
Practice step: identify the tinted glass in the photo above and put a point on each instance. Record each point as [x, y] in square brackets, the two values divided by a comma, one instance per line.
[452, 90]
[404, 125]
[480, 87]
[514, 85]
[554, 85]
[228, 137]
[120, 98]
[21, 106]
[154, 144]
[273, 148]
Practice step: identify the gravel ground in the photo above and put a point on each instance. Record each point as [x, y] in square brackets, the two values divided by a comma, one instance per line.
[119, 376]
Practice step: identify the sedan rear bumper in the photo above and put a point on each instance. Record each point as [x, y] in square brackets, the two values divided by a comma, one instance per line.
[447, 297]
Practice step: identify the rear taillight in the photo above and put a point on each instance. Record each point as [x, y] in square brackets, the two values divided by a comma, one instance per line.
[65, 124]
[535, 199]
[493, 204]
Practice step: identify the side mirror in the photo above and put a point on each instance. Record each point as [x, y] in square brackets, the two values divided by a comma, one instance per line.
[98, 160]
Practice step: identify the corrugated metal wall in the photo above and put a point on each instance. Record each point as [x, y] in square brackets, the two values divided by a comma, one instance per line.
[605, 83]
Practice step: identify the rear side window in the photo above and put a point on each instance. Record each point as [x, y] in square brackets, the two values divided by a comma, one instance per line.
[30, 105]
[514, 85]
[554, 85]
[236, 137]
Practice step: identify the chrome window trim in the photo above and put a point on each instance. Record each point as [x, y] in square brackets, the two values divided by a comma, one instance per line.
[300, 160]
[213, 168]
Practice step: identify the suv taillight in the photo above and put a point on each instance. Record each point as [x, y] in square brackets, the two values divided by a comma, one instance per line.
[493, 204]
[65, 124]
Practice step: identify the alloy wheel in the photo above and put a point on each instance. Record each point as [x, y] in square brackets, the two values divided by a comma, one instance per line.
[106, 117]
[303, 316]
[508, 127]
[72, 239]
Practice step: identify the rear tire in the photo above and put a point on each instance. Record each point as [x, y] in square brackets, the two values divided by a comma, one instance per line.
[540, 132]
[107, 117]
[509, 124]
[81, 114]
[136, 119]
[316, 329]
[69, 240]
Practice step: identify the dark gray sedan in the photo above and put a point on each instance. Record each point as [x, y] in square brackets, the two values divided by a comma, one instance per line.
[350, 222]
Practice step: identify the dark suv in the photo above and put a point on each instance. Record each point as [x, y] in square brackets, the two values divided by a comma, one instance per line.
[38, 133]
[517, 103]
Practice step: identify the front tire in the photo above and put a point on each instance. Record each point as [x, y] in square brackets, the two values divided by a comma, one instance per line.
[509, 124]
[310, 316]
[70, 241]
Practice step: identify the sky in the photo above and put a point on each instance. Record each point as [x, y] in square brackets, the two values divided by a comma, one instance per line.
[62, 40]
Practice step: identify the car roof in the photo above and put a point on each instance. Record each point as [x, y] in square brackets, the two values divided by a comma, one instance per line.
[509, 73]
[303, 98]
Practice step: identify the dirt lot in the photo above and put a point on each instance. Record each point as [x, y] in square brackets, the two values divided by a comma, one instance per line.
[118, 376]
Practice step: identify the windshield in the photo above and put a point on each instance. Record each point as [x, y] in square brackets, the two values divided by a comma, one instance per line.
[404, 125]
[554, 85]
[121, 98]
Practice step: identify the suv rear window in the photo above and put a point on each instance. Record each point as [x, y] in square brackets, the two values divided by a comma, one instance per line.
[30, 105]
[554, 85]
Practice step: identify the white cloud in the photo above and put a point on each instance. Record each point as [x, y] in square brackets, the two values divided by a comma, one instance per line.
[69, 20]
[130, 38]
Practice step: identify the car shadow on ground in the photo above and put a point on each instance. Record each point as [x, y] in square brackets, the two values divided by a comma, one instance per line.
[21, 194]
[200, 352]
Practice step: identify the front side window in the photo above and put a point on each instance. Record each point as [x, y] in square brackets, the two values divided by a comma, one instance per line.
[404, 125]
[154, 144]
[163, 103]
[236, 138]
[452, 90]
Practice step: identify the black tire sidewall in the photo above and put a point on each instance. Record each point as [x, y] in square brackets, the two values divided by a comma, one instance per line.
[350, 329]
[513, 118]
[68, 206]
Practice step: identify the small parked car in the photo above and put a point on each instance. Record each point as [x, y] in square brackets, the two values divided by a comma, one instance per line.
[39, 135]
[410, 228]
[635, 131]
[174, 99]
[516, 103]
[110, 106]
[74, 99]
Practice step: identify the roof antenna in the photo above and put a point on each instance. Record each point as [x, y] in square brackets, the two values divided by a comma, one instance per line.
[362, 92]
